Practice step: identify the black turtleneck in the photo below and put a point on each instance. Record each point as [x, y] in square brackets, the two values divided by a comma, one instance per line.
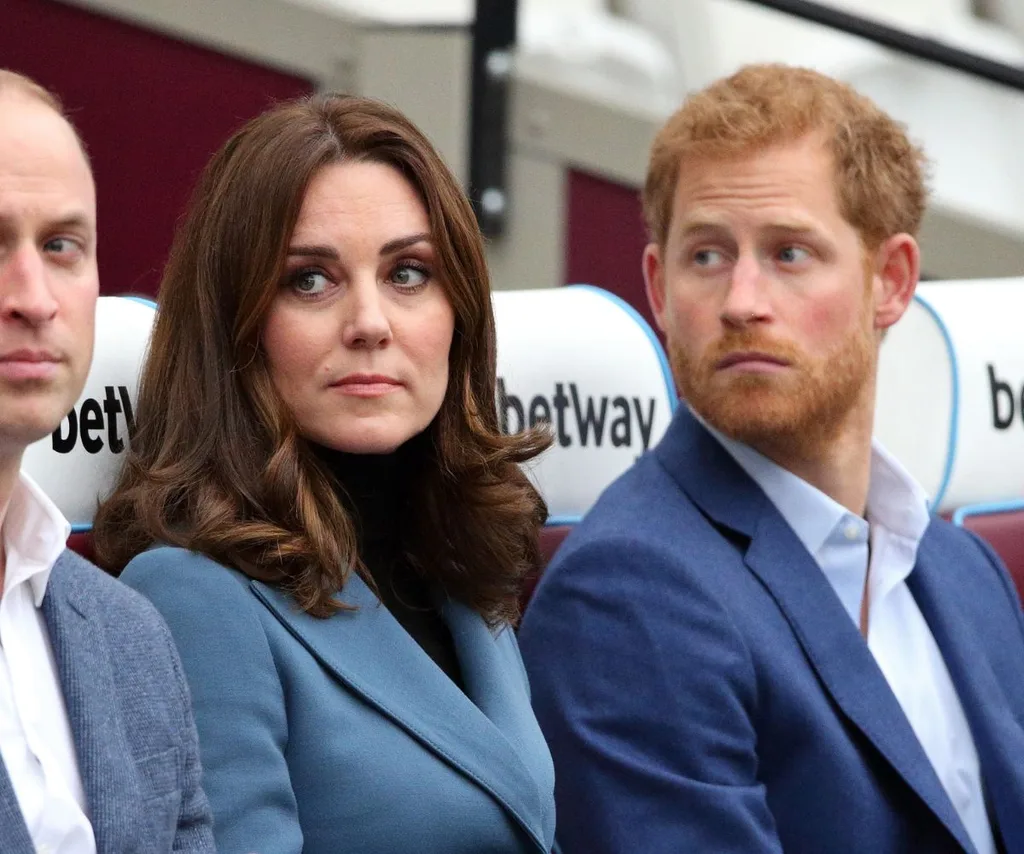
[376, 489]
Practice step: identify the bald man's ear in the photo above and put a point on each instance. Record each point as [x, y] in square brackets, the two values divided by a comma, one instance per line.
[897, 266]
[654, 282]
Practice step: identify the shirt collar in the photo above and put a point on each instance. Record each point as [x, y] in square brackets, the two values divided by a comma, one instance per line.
[895, 500]
[35, 534]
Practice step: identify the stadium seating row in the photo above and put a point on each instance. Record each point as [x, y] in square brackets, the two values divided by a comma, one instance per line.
[951, 403]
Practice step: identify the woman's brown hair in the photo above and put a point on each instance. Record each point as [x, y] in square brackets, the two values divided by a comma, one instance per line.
[216, 464]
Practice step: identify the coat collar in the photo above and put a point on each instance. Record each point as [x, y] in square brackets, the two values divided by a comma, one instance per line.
[833, 646]
[479, 733]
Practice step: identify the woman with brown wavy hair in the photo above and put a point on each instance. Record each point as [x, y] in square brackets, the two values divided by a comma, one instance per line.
[321, 504]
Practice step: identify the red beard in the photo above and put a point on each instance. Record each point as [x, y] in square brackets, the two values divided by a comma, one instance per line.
[796, 410]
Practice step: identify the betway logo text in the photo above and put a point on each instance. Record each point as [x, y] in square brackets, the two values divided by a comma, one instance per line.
[618, 418]
[92, 420]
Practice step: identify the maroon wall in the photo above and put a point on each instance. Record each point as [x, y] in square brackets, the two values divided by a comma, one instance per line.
[605, 237]
[151, 109]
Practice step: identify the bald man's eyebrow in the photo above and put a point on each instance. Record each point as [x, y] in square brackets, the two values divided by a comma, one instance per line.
[73, 222]
[78, 222]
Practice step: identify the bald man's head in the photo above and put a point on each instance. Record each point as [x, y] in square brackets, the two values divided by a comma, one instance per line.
[48, 271]
[11, 81]
[18, 85]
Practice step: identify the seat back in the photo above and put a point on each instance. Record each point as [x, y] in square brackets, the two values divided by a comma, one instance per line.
[583, 361]
[76, 466]
[1001, 525]
[950, 391]
[951, 406]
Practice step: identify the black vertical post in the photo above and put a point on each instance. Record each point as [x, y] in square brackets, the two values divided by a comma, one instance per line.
[494, 38]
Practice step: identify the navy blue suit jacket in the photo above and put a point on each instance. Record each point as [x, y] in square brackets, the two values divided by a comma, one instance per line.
[702, 689]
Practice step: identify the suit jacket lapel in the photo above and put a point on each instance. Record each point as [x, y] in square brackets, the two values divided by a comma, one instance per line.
[998, 736]
[14, 835]
[372, 655]
[844, 663]
[831, 642]
[104, 757]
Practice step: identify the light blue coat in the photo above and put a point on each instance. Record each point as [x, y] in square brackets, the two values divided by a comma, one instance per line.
[327, 736]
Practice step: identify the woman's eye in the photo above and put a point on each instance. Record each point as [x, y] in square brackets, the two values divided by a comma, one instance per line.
[793, 254]
[309, 282]
[410, 276]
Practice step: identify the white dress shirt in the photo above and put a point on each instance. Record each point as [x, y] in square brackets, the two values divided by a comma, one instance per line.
[898, 635]
[35, 736]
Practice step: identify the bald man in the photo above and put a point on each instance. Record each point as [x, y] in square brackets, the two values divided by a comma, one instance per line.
[98, 750]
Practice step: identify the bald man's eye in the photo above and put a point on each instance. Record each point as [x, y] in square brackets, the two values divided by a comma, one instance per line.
[65, 250]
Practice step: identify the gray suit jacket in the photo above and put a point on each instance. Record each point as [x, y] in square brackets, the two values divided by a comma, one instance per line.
[130, 716]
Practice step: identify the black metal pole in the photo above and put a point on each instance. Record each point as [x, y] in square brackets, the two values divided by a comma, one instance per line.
[494, 37]
[921, 47]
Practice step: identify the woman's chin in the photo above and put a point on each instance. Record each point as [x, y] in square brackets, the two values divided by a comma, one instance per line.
[380, 442]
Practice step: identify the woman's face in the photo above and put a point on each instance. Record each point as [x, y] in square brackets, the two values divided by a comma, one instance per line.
[358, 335]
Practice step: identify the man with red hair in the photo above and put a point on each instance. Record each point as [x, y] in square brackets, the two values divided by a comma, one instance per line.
[760, 639]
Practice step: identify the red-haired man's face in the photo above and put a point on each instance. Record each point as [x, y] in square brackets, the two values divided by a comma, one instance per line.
[771, 308]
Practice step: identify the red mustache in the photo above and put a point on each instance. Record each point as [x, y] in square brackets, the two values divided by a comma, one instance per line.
[747, 342]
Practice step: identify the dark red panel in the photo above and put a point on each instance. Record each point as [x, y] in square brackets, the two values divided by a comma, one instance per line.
[1005, 533]
[605, 238]
[151, 109]
[551, 538]
[82, 543]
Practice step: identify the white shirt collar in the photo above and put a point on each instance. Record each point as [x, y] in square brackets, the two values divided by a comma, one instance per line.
[895, 499]
[35, 534]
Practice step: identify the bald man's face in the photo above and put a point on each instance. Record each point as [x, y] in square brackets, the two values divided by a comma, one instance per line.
[48, 275]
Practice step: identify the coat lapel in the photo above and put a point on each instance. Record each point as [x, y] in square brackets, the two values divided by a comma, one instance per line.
[486, 675]
[831, 642]
[104, 757]
[495, 682]
[372, 655]
[998, 736]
